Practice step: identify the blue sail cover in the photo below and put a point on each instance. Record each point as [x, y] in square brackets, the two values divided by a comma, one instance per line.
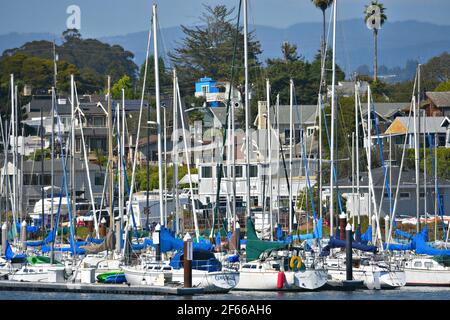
[399, 247]
[9, 253]
[403, 234]
[335, 243]
[367, 236]
[317, 234]
[30, 229]
[169, 243]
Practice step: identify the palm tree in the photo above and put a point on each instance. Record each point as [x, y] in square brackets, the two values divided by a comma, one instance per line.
[369, 14]
[322, 5]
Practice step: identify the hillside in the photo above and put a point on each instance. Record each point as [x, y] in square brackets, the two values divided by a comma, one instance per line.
[398, 42]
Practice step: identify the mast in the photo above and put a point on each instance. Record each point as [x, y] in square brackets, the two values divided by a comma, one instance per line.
[16, 153]
[110, 160]
[435, 186]
[358, 192]
[72, 147]
[278, 161]
[52, 168]
[269, 147]
[333, 107]
[369, 158]
[42, 174]
[165, 167]
[416, 160]
[291, 137]
[424, 145]
[175, 152]
[13, 191]
[353, 179]
[247, 109]
[120, 166]
[158, 118]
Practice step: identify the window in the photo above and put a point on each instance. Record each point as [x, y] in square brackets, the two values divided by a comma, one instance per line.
[206, 172]
[98, 178]
[417, 264]
[428, 265]
[205, 89]
[404, 195]
[422, 195]
[253, 171]
[239, 171]
[310, 131]
[98, 121]
[97, 144]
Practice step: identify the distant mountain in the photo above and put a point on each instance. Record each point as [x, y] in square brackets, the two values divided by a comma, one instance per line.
[398, 42]
[15, 40]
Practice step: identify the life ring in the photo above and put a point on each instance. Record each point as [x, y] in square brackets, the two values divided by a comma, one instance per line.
[293, 264]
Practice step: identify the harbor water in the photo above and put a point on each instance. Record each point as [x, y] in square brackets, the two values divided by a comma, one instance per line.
[405, 293]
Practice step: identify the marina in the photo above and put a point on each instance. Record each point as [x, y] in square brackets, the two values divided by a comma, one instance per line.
[283, 180]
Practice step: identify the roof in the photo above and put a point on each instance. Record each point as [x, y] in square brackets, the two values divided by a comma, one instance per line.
[440, 99]
[185, 179]
[305, 114]
[400, 125]
[408, 179]
[388, 110]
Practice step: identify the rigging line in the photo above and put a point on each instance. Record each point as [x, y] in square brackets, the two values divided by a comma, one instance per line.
[401, 164]
[305, 162]
[86, 161]
[133, 175]
[221, 148]
[334, 167]
[430, 144]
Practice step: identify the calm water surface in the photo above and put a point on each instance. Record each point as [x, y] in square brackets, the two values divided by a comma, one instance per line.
[406, 293]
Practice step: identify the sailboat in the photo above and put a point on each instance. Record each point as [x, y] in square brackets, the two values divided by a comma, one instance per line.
[272, 266]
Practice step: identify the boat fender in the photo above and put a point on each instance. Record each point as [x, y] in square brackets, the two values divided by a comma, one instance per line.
[295, 263]
[280, 280]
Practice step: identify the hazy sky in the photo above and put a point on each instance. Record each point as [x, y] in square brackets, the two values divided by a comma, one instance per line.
[115, 17]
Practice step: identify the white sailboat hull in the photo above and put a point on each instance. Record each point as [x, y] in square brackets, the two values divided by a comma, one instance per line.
[211, 282]
[268, 280]
[421, 277]
[372, 279]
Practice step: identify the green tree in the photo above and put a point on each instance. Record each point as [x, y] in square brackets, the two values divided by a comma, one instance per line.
[443, 86]
[123, 83]
[165, 78]
[368, 15]
[207, 50]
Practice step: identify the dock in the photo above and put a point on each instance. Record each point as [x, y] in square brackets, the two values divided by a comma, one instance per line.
[98, 288]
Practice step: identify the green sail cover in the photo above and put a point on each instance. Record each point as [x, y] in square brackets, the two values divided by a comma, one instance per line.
[256, 246]
[34, 260]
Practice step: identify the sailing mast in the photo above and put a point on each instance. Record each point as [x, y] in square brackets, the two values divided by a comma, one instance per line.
[158, 118]
[247, 109]
[175, 152]
[291, 138]
[52, 168]
[358, 192]
[269, 148]
[110, 160]
[278, 160]
[416, 160]
[333, 107]
[72, 147]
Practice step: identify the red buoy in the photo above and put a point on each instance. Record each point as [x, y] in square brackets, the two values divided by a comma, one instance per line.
[280, 280]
